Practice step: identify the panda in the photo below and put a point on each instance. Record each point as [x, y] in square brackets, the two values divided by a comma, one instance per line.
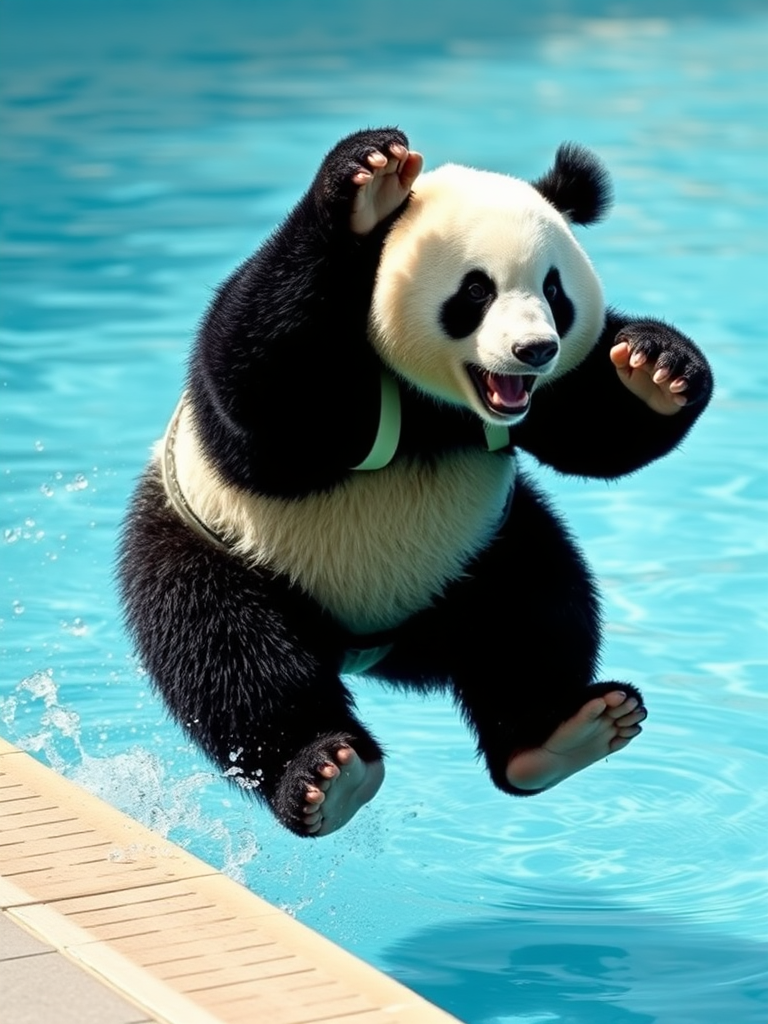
[338, 491]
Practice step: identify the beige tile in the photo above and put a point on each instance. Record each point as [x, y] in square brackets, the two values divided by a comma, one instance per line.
[161, 1001]
[11, 895]
[198, 940]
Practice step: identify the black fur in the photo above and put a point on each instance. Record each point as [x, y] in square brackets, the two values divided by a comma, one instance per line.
[577, 185]
[285, 390]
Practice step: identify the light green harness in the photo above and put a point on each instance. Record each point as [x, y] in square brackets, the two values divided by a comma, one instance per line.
[388, 434]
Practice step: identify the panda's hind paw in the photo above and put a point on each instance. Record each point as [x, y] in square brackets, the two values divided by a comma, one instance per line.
[603, 725]
[325, 786]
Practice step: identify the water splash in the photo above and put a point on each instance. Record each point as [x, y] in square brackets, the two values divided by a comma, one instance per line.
[137, 781]
[58, 735]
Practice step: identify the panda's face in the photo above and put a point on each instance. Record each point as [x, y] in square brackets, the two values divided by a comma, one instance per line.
[483, 293]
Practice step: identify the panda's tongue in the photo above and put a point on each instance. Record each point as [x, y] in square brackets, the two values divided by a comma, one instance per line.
[506, 391]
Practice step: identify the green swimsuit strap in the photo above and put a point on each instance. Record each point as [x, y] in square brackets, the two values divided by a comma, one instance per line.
[388, 434]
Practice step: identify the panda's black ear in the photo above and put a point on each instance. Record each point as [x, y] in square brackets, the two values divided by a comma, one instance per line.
[578, 185]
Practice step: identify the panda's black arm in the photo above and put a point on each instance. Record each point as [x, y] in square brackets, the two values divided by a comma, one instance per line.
[588, 423]
[282, 381]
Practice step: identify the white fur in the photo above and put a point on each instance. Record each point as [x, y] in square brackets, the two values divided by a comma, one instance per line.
[457, 220]
[374, 550]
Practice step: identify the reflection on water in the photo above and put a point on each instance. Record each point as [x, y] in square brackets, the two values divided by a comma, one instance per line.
[146, 154]
[602, 965]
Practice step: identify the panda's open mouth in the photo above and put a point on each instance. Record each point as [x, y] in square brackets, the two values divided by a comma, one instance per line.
[504, 394]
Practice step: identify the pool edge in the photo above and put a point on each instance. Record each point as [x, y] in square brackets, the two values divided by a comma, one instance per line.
[162, 928]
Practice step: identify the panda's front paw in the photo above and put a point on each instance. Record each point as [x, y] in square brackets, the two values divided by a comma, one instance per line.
[661, 366]
[367, 177]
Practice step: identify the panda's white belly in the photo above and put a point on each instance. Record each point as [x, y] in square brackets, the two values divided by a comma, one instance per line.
[374, 550]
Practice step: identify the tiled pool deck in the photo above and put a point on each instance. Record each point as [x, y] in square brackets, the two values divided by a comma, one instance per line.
[104, 922]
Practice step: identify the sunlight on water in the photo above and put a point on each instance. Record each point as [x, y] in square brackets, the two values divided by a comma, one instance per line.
[141, 162]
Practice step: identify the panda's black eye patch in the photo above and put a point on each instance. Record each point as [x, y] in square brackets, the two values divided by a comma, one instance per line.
[463, 312]
[561, 306]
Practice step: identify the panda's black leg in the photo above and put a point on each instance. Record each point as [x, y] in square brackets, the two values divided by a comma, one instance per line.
[522, 636]
[248, 667]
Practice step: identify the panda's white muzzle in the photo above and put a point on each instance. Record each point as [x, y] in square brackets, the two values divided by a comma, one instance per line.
[508, 364]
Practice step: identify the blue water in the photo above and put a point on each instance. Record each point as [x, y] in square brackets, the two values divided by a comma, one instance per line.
[144, 154]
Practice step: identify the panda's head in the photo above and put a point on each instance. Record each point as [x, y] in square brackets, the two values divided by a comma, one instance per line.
[482, 291]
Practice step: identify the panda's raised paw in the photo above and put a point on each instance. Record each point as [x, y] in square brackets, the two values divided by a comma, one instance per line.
[371, 171]
[661, 366]
[383, 182]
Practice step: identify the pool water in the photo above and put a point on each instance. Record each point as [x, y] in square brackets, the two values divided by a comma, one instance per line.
[144, 155]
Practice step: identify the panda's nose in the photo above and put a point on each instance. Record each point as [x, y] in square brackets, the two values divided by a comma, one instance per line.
[535, 353]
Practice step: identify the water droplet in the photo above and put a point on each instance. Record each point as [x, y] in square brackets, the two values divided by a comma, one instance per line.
[39, 446]
[12, 535]
[77, 627]
[47, 490]
[18, 608]
[78, 484]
